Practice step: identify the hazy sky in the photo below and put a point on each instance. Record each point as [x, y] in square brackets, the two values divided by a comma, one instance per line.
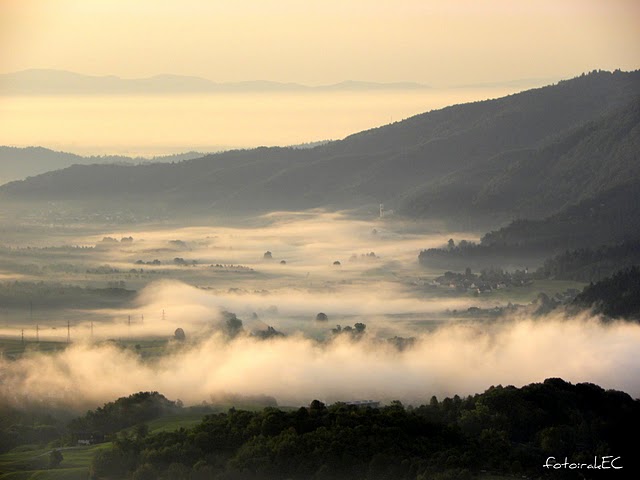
[325, 41]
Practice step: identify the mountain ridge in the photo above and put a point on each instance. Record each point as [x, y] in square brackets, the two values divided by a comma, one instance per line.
[403, 164]
[586, 160]
[18, 163]
[59, 82]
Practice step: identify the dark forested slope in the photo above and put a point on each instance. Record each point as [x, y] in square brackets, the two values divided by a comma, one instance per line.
[617, 296]
[17, 163]
[463, 161]
[597, 157]
[505, 430]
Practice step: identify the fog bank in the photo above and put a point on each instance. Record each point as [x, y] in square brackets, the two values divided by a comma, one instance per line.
[462, 359]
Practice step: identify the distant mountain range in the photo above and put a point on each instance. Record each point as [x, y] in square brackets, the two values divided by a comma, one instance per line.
[60, 82]
[533, 155]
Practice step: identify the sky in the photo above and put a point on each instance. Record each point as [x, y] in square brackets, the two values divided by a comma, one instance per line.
[440, 43]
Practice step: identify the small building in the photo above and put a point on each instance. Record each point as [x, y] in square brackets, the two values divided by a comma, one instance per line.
[86, 438]
[364, 403]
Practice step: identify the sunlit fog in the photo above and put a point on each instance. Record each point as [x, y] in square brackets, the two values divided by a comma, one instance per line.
[281, 271]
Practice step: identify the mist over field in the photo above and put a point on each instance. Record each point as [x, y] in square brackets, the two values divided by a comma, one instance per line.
[461, 358]
[376, 282]
[318, 262]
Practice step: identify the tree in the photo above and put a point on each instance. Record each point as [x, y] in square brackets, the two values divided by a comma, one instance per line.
[141, 430]
[178, 471]
[270, 332]
[55, 458]
[179, 334]
[232, 325]
[317, 406]
[322, 317]
[145, 472]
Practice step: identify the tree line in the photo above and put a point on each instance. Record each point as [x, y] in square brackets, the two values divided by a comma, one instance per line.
[505, 430]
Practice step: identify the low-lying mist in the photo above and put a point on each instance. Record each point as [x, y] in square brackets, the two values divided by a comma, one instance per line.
[455, 358]
[352, 270]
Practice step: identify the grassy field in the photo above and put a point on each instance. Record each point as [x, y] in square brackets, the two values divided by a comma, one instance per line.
[171, 423]
[12, 348]
[55, 474]
[521, 295]
[529, 293]
[31, 463]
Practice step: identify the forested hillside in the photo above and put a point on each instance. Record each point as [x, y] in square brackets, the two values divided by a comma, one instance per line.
[18, 163]
[595, 159]
[532, 153]
[617, 296]
[505, 430]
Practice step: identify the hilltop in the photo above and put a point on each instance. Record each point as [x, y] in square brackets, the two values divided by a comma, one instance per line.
[17, 163]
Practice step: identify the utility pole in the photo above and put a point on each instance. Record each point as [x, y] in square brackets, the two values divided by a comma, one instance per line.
[22, 336]
[91, 331]
[68, 332]
[129, 326]
[38, 333]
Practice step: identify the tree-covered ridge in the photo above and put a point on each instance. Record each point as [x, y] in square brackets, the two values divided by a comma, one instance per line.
[591, 264]
[123, 413]
[608, 218]
[617, 296]
[18, 163]
[505, 430]
[34, 424]
[472, 162]
[582, 264]
[562, 170]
